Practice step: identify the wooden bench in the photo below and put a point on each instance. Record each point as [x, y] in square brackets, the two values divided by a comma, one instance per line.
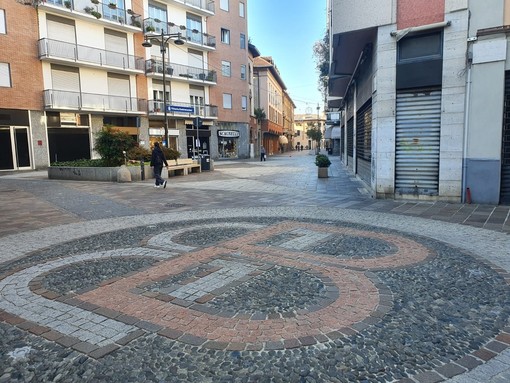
[182, 167]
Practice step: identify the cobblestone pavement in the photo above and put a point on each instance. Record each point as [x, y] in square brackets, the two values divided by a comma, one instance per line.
[253, 272]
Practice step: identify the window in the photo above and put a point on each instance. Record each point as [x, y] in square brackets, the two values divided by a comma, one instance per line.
[421, 47]
[225, 68]
[225, 36]
[159, 13]
[224, 5]
[242, 40]
[2, 22]
[194, 23]
[5, 75]
[244, 102]
[241, 9]
[227, 101]
[243, 72]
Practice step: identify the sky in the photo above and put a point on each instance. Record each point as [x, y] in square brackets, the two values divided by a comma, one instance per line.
[287, 30]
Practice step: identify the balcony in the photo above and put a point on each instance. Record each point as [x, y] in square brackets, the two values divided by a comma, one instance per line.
[118, 18]
[154, 68]
[202, 7]
[154, 27]
[182, 109]
[91, 102]
[63, 52]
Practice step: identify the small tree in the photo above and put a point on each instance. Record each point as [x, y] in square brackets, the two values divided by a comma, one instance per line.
[315, 134]
[260, 115]
[111, 143]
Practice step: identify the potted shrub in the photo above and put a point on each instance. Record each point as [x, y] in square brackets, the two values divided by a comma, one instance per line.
[112, 6]
[94, 1]
[96, 14]
[67, 4]
[322, 161]
[150, 28]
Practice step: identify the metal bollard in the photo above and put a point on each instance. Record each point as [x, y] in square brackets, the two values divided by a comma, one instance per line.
[142, 169]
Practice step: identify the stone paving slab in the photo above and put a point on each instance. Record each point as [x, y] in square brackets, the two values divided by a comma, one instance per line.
[274, 244]
[288, 231]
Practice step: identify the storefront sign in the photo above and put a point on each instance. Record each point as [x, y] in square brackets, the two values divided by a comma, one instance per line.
[180, 109]
[228, 133]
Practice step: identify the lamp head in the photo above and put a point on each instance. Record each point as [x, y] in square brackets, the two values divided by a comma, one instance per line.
[146, 43]
[179, 41]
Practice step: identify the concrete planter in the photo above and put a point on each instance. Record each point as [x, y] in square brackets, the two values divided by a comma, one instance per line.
[323, 172]
[96, 173]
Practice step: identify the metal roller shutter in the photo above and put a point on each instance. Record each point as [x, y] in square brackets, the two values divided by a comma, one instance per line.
[342, 140]
[417, 141]
[364, 141]
[350, 140]
[505, 146]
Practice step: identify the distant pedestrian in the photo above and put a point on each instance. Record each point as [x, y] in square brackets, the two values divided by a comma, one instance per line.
[157, 161]
[262, 153]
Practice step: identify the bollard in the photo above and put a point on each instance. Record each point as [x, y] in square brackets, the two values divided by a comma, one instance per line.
[142, 169]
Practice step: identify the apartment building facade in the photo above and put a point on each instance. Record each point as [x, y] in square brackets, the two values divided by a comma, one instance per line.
[231, 131]
[421, 91]
[89, 64]
[303, 122]
[270, 91]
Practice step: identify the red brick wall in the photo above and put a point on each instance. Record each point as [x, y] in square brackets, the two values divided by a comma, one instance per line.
[233, 85]
[18, 47]
[412, 13]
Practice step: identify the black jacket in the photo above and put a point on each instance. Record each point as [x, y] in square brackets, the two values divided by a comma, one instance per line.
[158, 157]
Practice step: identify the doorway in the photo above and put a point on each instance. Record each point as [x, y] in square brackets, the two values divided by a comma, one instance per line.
[14, 148]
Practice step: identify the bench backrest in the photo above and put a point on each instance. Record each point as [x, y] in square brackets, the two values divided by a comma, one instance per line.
[181, 161]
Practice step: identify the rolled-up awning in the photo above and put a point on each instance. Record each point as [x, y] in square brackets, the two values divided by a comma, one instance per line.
[327, 132]
[283, 140]
[336, 133]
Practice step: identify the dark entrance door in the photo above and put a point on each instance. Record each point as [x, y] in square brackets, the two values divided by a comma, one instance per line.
[505, 146]
[14, 148]
[6, 162]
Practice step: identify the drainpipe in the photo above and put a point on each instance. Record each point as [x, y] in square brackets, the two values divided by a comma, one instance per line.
[467, 102]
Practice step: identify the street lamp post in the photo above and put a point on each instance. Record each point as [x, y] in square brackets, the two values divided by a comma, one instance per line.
[163, 41]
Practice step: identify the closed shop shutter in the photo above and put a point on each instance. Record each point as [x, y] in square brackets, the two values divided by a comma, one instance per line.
[417, 141]
[505, 146]
[342, 141]
[350, 140]
[364, 141]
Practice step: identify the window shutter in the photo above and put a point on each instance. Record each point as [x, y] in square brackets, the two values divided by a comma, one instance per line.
[65, 79]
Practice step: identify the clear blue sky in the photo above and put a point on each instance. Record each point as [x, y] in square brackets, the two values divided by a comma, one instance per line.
[287, 31]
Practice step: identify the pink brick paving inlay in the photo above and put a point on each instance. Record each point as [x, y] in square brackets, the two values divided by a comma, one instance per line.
[358, 296]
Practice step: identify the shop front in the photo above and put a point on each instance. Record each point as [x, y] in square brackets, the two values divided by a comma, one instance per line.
[158, 135]
[198, 141]
[228, 143]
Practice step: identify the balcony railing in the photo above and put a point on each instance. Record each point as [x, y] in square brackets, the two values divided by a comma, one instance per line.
[105, 11]
[152, 26]
[80, 53]
[207, 5]
[156, 107]
[155, 66]
[61, 99]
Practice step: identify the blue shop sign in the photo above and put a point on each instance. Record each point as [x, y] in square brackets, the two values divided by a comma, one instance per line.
[180, 109]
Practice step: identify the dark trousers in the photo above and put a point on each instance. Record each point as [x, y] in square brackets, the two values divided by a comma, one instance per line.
[262, 156]
[157, 174]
